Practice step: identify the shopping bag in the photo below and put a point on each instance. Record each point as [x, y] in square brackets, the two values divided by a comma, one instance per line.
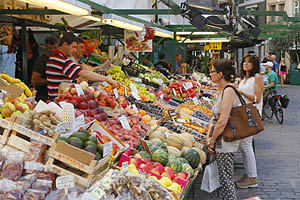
[210, 180]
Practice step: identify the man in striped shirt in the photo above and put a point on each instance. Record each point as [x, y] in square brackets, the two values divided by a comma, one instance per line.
[62, 69]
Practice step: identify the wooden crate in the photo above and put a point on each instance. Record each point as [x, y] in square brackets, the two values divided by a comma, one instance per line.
[21, 136]
[5, 129]
[66, 159]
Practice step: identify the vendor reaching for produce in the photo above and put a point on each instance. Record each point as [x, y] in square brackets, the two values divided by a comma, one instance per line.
[148, 63]
[62, 69]
[38, 77]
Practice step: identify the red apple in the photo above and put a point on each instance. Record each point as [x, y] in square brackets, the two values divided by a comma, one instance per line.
[99, 110]
[96, 94]
[90, 97]
[121, 99]
[79, 99]
[104, 116]
[155, 171]
[88, 119]
[74, 102]
[77, 113]
[102, 103]
[83, 112]
[83, 106]
[166, 174]
[182, 175]
[73, 91]
[124, 105]
[61, 97]
[90, 104]
[161, 170]
[102, 96]
[98, 118]
[90, 113]
[68, 96]
[113, 104]
[158, 165]
[109, 99]
[135, 161]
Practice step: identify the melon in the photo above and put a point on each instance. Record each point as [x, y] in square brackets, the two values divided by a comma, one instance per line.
[160, 156]
[192, 156]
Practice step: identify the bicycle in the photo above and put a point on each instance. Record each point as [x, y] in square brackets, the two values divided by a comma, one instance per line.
[272, 105]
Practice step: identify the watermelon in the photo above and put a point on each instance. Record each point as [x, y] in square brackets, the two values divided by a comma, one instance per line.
[144, 154]
[176, 166]
[192, 156]
[158, 145]
[170, 159]
[187, 168]
[160, 156]
[182, 160]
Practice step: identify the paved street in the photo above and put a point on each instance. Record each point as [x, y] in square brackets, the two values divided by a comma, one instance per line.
[277, 155]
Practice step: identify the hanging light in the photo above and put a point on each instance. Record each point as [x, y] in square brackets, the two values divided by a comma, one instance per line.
[67, 6]
[196, 33]
[163, 33]
[207, 40]
[122, 22]
[96, 19]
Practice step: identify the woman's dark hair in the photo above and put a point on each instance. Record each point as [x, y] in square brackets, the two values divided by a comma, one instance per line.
[225, 66]
[51, 39]
[69, 38]
[256, 68]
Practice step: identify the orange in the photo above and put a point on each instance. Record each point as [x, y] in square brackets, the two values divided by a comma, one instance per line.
[146, 119]
[142, 112]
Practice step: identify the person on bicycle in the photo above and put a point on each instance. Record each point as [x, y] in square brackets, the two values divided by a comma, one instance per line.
[272, 76]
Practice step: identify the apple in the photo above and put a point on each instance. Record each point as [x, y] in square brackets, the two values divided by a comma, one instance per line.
[84, 85]
[124, 105]
[155, 171]
[166, 174]
[83, 112]
[90, 97]
[113, 104]
[121, 99]
[73, 91]
[74, 102]
[96, 94]
[79, 99]
[99, 110]
[135, 161]
[98, 118]
[178, 180]
[83, 106]
[66, 90]
[182, 175]
[77, 113]
[90, 104]
[88, 119]
[158, 165]
[161, 170]
[102, 103]
[91, 89]
[61, 98]
[68, 96]
[102, 96]
[104, 116]
[90, 113]
[109, 99]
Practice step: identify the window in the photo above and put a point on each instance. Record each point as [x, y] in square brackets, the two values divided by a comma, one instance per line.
[273, 8]
[281, 7]
[296, 8]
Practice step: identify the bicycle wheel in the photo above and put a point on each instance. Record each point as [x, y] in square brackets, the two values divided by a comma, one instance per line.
[279, 113]
[268, 110]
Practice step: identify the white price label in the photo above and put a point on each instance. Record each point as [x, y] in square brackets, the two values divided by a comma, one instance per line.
[133, 88]
[79, 121]
[61, 127]
[180, 91]
[125, 91]
[124, 122]
[107, 148]
[98, 193]
[116, 93]
[33, 166]
[161, 96]
[135, 108]
[62, 103]
[174, 92]
[188, 85]
[105, 84]
[63, 182]
[79, 90]
[195, 100]
[136, 96]
[124, 165]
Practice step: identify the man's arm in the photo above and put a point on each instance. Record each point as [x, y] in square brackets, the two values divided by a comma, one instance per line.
[92, 76]
[37, 79]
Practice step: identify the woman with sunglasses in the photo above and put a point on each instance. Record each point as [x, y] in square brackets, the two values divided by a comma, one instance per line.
[251, 88]
[223, 73]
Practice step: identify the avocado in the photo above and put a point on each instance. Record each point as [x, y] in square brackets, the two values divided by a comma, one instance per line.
[93, 139]
[90, 148]
[77, 142]
[90, 143]
[100, 148]
[67, 140]
[82, 136]
[85, 132]
[98, 156]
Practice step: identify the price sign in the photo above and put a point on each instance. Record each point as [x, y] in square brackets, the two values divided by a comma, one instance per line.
[116, 93]
[62, 103]
[188, 85]
[135, 108]
[124, 122]
[61, 127]
[161, 96]
[133, 88]
[135, 95]
[125, 91]
[79, 90]
[124, 165]
[172, 113]
[64, 182]
[174, 92]
[195, 100]
[107, 148]
[98, 193]
[79, 121]
[180, 91]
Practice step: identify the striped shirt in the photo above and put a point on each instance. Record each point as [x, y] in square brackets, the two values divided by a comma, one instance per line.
[59, 69]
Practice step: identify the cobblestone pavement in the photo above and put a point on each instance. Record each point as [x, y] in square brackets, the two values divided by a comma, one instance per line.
[277, 157]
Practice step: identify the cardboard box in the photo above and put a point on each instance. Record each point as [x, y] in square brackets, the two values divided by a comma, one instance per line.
[13, 90]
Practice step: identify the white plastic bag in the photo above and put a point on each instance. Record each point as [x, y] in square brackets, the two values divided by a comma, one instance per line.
[210, 181]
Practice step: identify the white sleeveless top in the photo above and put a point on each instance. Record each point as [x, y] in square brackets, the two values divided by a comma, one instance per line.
[248, 88]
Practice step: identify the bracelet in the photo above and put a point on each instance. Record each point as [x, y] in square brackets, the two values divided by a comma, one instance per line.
[254, 99]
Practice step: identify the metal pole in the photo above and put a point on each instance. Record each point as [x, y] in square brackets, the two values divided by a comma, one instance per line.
[24, 52]
[174, 52]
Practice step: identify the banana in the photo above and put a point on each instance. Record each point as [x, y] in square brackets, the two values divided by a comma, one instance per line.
[21, 86]
[26, 90]
[10, 79]
[23, 96]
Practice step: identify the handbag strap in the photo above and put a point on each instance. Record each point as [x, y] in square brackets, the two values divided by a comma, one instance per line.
[243, 102]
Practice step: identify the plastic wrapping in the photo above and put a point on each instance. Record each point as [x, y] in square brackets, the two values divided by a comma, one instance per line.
[157, 191]
[72, 194]
[42, 185]
[13, 190]
[36, 155]
[34, 195]
[13, 166]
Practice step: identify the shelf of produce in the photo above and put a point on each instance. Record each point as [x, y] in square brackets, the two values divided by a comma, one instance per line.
[185, 193]
[67, 159]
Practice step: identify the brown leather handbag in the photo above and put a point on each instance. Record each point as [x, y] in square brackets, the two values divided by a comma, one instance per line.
[244, 120]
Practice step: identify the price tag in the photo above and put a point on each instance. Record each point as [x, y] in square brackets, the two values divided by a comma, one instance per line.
[61, 127]
[172, 113]
[188, 85]
[124, 164]
[79, 121]
[124, 122]
[116, 93]
[133, 88]
[63, 182]
[184, 85]
[62, 103]
[107, 148]
[97, 193]
[33, 166]
[174, 92]
[160, 81]
[105, 84]
[195, 100]
[79, 90]
[125, 91]
[180, 91]
[161, 96]
[135, 108]
[136, 96]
